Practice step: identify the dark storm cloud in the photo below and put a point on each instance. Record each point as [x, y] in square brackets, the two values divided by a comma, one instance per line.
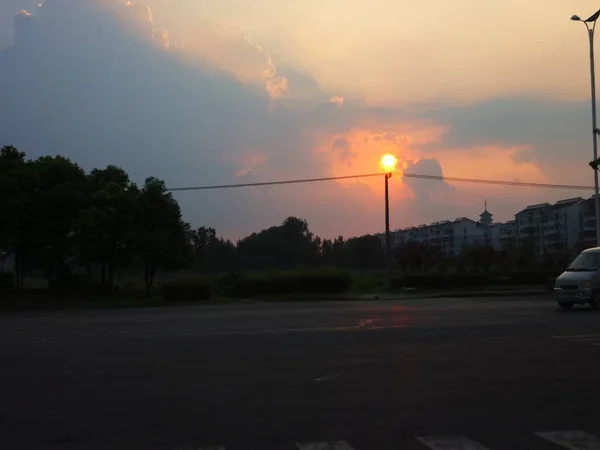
[424, 189]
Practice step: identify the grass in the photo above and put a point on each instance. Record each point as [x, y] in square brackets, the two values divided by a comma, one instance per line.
[368, 282]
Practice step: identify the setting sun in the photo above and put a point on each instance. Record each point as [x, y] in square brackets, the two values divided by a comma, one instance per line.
[388, 163]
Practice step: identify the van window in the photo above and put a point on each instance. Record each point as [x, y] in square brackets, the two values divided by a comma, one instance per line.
[585, 262]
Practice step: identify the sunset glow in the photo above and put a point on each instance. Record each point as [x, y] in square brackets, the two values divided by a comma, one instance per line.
[235, 92]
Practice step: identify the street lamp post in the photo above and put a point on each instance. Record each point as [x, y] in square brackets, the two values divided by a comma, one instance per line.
[388, 167]
[594, 164]
[387, 226]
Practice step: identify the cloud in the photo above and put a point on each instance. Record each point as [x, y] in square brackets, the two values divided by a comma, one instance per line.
[336, 100]
[227, 47]
[343, 149]
[250, 163]
[424, 190]
[97, 81]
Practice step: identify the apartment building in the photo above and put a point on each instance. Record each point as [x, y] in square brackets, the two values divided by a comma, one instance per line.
[567, 225]
[450, 237]
[554, 228]
[587, 224]
[504, 233]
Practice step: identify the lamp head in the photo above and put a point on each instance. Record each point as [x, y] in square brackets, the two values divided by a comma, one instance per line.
[388, 163]
[575, 18]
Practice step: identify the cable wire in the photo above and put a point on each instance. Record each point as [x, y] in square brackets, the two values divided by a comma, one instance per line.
[379, 174]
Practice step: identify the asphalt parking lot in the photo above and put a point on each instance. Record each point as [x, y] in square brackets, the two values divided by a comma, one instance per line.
[476, 373]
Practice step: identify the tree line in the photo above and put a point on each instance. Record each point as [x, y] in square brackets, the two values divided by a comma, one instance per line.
[57, 219]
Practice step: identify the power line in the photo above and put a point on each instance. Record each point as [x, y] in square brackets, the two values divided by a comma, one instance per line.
[272, 183]
[379, 174]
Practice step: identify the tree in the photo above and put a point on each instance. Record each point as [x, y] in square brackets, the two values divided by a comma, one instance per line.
[479, 258]
[408, 256]
[162, 236]
[287, 246]
[300, 246]
[13, 195]
[40, 203]
[332, 251]
[105, 231]
[60, 193]
[364, 252]
[211, 253]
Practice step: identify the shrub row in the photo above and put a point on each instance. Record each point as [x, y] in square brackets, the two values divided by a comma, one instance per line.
[292, 282]
[467, 280]
[187, 290]
[80, 284]
[259, 283]
[7, 282]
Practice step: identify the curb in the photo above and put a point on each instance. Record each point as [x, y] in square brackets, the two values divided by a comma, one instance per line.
[431, 295]
[495, 294]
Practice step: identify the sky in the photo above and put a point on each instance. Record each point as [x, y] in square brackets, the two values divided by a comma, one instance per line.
[199, 92]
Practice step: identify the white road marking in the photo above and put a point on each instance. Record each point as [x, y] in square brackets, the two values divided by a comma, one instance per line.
[491, 338]
[500, 322]
[451, 443]
[593, 339]
[384, 327]
[364, 322]
[339, 445]
[573, 440]
[326, 377]
[577, 336]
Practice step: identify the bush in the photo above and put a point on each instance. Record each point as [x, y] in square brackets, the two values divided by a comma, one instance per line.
[443, 281]
[533, 277]
[7, 282]
[77, 283]
[473, 280]
[188, 290]
[292, 282]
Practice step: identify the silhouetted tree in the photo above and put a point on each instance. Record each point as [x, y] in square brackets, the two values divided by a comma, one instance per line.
[105, 231]
[162, 240]
[211, 253]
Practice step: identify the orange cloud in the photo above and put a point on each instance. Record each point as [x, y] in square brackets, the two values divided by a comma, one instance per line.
[358, 151]
[494, 162]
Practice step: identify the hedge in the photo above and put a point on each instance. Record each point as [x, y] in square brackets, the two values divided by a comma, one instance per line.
[7, 282]
[189, 290]
[77, 283]
[291, 282]
[474, 280]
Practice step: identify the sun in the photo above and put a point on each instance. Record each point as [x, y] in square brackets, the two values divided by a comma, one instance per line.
[388, 163]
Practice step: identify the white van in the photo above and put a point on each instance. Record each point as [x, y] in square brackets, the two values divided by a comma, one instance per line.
[580, 283]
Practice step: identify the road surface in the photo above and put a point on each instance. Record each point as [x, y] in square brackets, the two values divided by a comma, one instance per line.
[429, 374]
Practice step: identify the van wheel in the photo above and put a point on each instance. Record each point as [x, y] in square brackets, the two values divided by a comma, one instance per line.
[566, 305]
